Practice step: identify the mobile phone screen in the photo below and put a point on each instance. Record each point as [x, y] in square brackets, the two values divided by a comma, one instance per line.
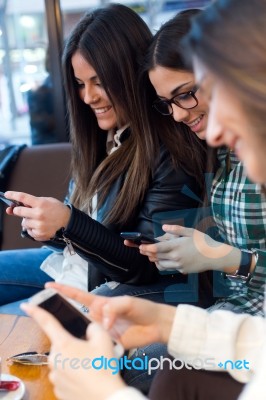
[72, 319]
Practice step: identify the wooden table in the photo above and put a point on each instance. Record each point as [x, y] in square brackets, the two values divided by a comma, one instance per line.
[18, 335]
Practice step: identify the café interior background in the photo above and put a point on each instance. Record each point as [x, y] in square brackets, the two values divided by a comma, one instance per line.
[26, 29]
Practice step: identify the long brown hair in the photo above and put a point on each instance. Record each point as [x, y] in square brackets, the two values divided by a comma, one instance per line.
[113, 40]
[186, 149]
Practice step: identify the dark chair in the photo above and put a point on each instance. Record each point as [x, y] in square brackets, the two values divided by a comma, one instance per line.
[42, 170]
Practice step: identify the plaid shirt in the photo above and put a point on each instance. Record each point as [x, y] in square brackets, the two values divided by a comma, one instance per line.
[239, 210]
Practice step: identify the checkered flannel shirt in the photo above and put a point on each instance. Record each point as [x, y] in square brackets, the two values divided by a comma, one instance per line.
[239, 210]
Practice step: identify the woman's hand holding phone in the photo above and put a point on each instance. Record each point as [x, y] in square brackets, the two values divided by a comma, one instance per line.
[133, 322]
[42, 216]
[8, 202]
[69, 357]
[189, 250]
[135, 239]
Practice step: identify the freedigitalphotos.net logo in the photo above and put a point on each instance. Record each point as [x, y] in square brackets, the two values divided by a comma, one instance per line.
[237, 364]
[145, 363]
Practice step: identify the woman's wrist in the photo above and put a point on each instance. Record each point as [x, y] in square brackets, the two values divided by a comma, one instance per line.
[66, 215]
[227, 259]
[166, 317]
[234, 257]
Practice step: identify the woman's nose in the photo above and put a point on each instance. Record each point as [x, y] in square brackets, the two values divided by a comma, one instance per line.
[179, 114]
[90, 96]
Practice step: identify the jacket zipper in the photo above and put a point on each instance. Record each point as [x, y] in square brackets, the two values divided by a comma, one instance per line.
[69, 246]
[72, 251]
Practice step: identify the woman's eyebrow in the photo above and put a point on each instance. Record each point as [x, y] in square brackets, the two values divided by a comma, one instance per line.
[92, 78]
[175, 90]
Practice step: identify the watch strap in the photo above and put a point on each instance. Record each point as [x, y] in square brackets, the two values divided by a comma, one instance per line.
[243, 272]
[245, 263]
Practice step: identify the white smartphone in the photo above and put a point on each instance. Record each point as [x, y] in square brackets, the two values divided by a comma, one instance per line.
[72, 319]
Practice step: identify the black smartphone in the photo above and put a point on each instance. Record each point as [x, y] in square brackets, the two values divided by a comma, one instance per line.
[10, 203]
[72, 319]
[138, 238]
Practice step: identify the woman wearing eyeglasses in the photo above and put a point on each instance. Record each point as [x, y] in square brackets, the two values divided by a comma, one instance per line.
[188, 111]
[238, 209]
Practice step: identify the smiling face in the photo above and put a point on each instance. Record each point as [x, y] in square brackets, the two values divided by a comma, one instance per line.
[92, 93]
[170, 82]
[229, 124]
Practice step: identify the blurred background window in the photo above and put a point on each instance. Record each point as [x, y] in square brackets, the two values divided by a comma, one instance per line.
[31, 39]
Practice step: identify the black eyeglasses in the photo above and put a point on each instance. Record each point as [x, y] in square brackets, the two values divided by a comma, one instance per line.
[186, 100]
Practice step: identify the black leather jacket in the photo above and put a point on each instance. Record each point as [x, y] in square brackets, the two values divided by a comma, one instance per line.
[102, 246]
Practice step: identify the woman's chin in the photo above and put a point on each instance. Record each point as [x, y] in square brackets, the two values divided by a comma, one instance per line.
[201, 135]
